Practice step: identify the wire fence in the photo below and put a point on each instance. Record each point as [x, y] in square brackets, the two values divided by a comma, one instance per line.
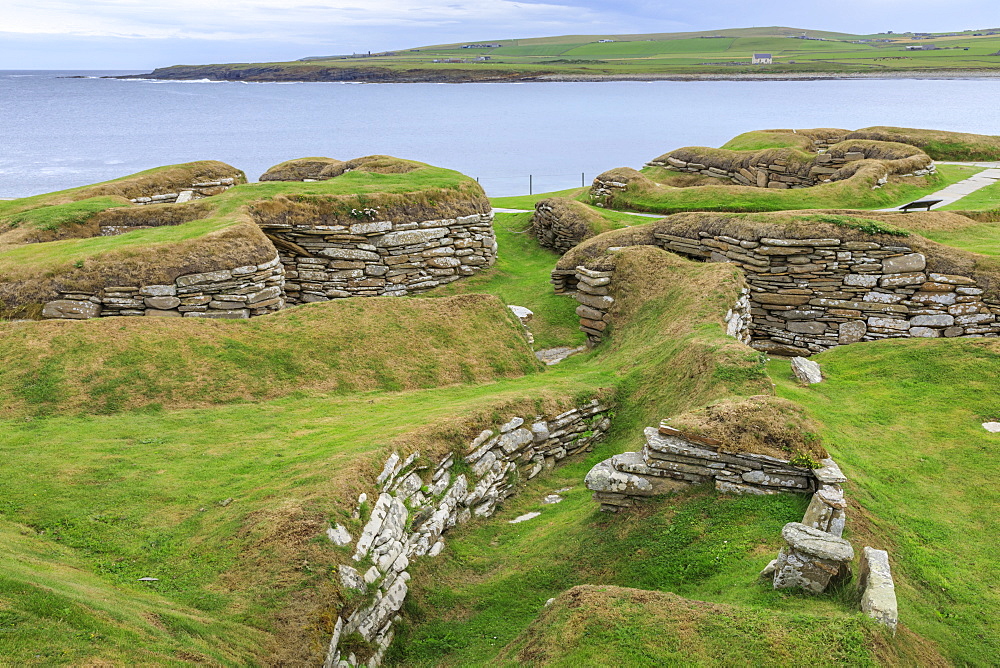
[503, 186]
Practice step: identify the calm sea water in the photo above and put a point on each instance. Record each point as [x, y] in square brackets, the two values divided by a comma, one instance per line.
[59, 132]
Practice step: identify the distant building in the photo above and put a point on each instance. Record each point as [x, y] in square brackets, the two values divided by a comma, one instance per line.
[482, 46]
[762, 59]
[604, 41]
[922, 47]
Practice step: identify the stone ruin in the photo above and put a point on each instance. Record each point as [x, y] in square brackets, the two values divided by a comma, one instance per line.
[312, 254]
[807, 295]
[417, 505]
[815, 554]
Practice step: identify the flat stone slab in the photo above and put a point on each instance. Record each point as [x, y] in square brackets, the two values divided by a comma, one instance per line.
[524, 518]
[992, 427]
[552, 356]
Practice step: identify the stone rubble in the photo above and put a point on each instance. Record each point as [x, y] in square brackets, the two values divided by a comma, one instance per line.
[417, 505]
[192, 192]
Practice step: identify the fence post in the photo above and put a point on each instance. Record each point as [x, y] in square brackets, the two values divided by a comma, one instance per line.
[531, 184]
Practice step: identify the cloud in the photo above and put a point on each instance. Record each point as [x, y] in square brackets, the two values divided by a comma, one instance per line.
[271, 19]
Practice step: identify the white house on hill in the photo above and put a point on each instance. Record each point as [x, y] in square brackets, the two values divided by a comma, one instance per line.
[762, 59]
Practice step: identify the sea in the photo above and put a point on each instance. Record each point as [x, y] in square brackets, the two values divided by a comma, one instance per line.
[70, 128]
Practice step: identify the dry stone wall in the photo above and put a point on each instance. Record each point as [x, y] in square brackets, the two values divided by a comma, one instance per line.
[194, 191]
[808, 295]
[240, 292]
[417, 505]
[561, 224]
[673, 460]
[373, 258]
[774, 169]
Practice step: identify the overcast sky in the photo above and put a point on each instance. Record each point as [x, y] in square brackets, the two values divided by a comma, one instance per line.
[142, 34]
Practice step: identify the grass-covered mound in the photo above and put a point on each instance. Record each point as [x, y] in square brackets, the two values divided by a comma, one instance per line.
[761, 424]
[881, 179]
[757, 140]
[939, 144]
[339, 347]
[56, 247]
[903, 419]
[299, 169]
[619, 626]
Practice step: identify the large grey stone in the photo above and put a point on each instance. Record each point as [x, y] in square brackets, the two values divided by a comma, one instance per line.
[348, 254]
[350, 578]
[206, 277]
[807, 540]
[410, 237]
[851, 332]
[878, 592]
[904, 263]
[338, 535]
[163, 303]
[806, 371]
[71, 309]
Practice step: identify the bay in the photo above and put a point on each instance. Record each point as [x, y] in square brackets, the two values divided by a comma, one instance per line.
[58, 132]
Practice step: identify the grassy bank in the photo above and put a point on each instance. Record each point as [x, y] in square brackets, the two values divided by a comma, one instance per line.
[113, 364]
[903, 420]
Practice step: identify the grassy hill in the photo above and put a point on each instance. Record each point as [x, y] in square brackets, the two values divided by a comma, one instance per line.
[725, 53]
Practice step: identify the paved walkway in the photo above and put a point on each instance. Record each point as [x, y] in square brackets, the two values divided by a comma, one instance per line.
[957, 191]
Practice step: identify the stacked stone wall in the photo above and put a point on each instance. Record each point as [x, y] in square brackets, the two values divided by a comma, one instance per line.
[673, 460]
[417, 505]
[556, 225]
[194, 191]
[593, 292]
[374, 258]
[769, 169]
[808, 295]
[240, 292]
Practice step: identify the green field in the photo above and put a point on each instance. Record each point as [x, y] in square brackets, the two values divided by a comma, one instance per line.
[725, 52]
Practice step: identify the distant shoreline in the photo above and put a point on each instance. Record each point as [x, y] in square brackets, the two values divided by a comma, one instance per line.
[384, 75]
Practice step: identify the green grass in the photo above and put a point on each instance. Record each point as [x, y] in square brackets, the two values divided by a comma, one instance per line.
[113, 364]
[611, 626]
[520, 278]
[903, 420]
[52, 218]
[527, 202]
[982, 199]
[110, 499]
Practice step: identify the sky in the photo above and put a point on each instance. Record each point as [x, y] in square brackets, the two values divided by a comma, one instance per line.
[144, 34]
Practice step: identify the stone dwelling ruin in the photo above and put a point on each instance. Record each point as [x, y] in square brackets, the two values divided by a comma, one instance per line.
[814, 280]
[258, 247]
